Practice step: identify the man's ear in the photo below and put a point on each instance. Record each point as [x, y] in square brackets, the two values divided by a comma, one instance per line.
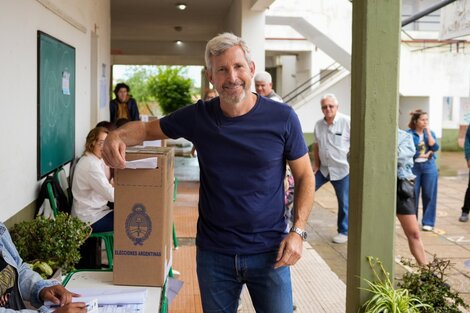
[252, 68]
[209, 76]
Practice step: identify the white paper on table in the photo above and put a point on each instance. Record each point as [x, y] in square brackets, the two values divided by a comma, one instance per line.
[142, 163]
[107, 296]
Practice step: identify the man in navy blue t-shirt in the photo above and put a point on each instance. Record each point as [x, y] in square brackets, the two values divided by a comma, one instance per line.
[243, 141]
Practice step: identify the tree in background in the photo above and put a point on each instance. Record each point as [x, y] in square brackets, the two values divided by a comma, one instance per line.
[138, 78]
[170, 88]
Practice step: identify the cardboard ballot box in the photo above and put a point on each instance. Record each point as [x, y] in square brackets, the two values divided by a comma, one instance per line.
[143, 220]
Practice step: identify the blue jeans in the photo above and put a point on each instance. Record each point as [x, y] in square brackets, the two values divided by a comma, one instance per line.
[426, 181]
[221, 278]
[342, 194]
[106, 223]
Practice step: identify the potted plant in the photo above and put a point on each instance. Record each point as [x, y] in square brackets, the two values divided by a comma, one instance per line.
[428, 283]
[49, 244]
[387, 299]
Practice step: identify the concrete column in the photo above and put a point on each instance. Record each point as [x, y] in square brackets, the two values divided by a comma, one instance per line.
[248, 24]
[374, 96]
[252, 32]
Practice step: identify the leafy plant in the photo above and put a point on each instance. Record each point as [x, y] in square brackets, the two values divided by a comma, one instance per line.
[428, 283]
[138, 78]
[55, 242]
[385, 298]
[170, 88]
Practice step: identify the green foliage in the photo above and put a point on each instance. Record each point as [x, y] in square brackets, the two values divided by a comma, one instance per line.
[55, 242]
[170, 88]
[138, 78]
[428, 283]
[385, 298]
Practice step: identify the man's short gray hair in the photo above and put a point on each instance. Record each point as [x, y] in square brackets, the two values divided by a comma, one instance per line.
[331, 97]
[263, 77]
[221, 43]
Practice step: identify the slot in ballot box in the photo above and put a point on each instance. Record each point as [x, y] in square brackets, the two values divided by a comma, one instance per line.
[143, 219]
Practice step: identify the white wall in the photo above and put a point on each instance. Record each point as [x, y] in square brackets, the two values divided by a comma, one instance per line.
[19, 22]
[287, 79]
[426, 72]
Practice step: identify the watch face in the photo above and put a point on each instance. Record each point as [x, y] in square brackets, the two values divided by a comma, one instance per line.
[300, 232]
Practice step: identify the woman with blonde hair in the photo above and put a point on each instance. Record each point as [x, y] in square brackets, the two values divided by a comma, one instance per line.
[93, 193]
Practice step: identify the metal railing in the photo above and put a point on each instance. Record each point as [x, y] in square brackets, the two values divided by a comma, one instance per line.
[312, 81]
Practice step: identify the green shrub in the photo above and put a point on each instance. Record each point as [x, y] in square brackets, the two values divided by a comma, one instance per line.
[171, 90]
[384, 297]
[428, 284]
[55, 242]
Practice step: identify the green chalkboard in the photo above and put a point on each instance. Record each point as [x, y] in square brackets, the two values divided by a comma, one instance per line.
[56, 104]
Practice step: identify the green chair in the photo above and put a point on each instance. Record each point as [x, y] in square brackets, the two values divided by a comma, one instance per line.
[107, 237]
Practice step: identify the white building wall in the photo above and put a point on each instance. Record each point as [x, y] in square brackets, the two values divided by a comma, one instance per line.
[425, 72]
[287, 80]
[19, 22]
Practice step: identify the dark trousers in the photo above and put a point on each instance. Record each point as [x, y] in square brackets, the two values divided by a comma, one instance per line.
[466, 203]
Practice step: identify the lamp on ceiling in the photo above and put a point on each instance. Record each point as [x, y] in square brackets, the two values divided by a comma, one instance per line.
[181, 6]
[178, 42]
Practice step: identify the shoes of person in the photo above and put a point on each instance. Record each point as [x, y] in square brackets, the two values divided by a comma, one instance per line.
[427, 228]
[340, 238]
[463, 217]
[294, 307]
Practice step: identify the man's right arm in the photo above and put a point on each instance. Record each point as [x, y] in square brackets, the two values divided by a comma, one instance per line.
[130, 134]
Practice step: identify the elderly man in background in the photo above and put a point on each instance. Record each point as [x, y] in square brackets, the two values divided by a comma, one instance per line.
[331, 148]
[264, 86]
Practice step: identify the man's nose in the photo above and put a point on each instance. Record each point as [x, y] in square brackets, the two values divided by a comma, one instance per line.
[232, 75]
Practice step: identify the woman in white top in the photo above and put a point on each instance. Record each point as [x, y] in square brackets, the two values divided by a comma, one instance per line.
[93, 193]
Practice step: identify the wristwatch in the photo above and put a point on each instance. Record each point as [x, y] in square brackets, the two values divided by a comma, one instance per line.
[300, 232]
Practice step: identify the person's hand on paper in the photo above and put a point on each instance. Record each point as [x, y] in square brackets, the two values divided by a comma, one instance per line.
[57, 294]
[114, 151]
[63, 299]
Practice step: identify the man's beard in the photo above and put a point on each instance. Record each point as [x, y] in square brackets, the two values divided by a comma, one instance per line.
[233, 98]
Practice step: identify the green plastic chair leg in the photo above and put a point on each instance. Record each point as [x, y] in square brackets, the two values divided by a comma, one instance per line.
[108, 238]
[175, 239]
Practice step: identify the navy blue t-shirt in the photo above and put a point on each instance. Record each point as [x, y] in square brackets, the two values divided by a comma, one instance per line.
[242, 166]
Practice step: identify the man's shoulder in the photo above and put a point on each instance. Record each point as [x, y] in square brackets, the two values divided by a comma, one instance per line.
[344, 117]
[274, 96]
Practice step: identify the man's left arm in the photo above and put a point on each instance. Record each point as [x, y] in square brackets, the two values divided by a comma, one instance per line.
[290, 249]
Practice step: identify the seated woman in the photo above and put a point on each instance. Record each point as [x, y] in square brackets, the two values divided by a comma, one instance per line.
[93, 193]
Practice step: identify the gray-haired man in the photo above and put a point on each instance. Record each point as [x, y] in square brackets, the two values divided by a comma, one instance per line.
[244, 142]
